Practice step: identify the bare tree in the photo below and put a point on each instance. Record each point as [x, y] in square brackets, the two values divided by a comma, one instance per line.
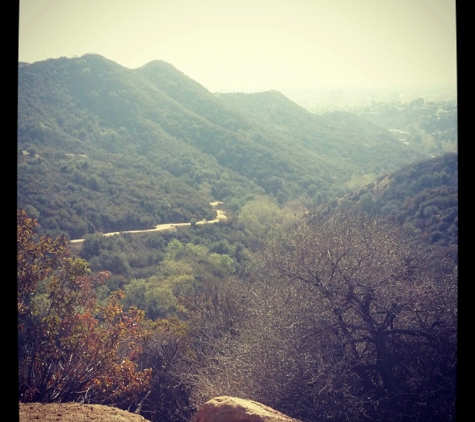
[343, 321]
[387, 319]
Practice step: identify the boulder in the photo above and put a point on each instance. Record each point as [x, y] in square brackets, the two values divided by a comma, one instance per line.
[233, 409]
[74, 412]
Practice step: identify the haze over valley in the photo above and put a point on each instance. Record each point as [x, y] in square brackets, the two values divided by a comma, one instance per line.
[247, 199]
[259, 45]
[103, 148]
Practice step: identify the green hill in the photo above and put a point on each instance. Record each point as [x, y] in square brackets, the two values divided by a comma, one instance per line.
[105, 148]
[423, 196]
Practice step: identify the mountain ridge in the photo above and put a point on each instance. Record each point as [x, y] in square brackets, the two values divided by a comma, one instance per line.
[194, 146]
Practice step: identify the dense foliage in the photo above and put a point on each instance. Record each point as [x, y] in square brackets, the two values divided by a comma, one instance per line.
[105, 148]
[329, 292]
[341, 313]
[423, 197]
[70, 347]
[343, 320]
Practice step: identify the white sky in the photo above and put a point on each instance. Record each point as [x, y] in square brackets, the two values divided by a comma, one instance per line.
[242, 45]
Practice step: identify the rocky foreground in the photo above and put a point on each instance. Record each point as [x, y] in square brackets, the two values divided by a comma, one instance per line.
[233, 409]
[218, 409]
[74, 412]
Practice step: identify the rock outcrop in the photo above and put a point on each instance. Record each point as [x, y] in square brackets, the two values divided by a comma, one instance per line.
[233, 409]
[73, 412]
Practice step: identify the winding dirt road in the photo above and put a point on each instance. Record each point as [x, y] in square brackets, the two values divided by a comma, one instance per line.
[221, 216]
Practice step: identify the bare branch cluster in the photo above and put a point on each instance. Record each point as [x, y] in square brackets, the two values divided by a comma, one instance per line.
[342, 321]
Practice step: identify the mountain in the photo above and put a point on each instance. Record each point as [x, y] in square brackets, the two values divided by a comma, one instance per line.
[105, 148]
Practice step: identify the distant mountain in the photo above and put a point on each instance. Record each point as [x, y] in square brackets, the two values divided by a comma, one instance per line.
[433, 125]
[347, 143]
[106, 148]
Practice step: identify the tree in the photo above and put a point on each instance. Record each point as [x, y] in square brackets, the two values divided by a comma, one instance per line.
[259, 215]
[367, 202]
[165, 351]
[388, 321]
[341, 321]
[71, 348]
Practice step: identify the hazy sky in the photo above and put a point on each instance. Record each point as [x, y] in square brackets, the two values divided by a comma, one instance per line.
[241, 45]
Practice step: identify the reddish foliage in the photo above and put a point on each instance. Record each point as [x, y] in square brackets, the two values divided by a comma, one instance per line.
[71, 347]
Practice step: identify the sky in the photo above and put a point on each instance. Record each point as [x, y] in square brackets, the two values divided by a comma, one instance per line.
[257, 45]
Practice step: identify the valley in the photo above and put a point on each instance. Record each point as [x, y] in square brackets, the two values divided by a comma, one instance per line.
[316, 271]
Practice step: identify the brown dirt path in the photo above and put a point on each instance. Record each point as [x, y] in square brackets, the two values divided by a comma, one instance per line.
[221, 216]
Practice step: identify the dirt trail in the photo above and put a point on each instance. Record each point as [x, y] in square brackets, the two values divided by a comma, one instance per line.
[221, 216]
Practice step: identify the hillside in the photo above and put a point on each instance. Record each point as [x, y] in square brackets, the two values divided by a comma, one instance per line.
[348, 143]
[421, 196]
[105, 148]
[298, 297]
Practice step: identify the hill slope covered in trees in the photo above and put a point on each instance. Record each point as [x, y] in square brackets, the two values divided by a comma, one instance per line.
[105, 148]
[351, 305]
[422, 196]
